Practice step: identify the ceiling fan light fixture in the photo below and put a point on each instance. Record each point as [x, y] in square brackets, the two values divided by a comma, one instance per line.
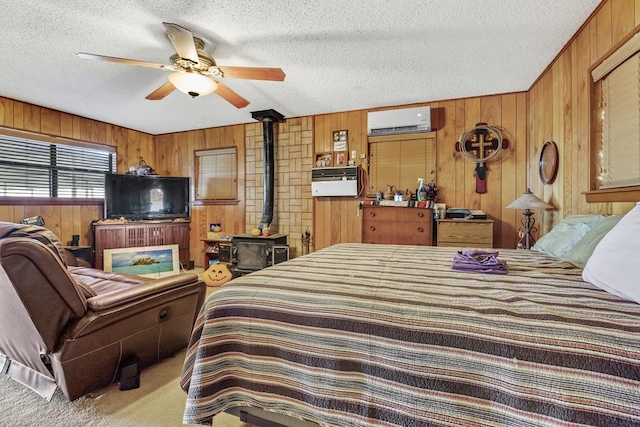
[193, 83]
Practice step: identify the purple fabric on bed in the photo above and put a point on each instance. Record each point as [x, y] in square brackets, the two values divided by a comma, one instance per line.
[479, 262]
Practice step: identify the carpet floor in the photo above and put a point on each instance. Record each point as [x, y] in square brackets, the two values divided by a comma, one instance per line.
[159, 402]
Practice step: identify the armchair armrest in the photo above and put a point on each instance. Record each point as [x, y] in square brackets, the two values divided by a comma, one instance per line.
[129, 294]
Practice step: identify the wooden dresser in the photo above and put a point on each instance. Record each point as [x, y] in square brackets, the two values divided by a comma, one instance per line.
[397, 225]
[465, 233]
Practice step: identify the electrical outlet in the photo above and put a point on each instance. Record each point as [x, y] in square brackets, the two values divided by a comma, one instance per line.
[363, 156]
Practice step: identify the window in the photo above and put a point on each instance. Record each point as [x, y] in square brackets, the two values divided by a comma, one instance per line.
[32, 167]
[616, 124]
[620, 157]
[216, 174]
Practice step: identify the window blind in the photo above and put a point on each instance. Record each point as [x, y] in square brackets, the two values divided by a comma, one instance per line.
[32, 168]
[216, 171]
[614, 60]
[620, 156]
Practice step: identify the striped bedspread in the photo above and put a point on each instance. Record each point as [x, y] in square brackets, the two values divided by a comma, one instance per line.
[384, 335]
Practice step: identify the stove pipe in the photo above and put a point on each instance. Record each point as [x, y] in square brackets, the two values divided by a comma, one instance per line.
[268, 118]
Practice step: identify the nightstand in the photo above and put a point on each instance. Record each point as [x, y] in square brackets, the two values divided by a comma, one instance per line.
[467, 233]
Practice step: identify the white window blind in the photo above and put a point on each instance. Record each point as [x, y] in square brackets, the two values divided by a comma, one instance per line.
[34, 168]
[216, 174]
[621, 54]
[620, 156]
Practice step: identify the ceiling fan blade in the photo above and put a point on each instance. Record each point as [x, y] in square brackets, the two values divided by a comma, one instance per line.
[182, 40]
[230, 96]
[124, 61]
[161, 92]
[252, 73]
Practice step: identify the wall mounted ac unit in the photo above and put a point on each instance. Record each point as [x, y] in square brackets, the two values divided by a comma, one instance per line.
[335, 181]
[402, 120]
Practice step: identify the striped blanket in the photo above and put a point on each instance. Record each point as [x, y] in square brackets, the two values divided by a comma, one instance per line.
[384, 335]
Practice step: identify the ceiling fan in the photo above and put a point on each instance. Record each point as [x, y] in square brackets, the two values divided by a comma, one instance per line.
[194, 71]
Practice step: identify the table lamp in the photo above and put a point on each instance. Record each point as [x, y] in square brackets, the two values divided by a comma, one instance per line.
[527, 202]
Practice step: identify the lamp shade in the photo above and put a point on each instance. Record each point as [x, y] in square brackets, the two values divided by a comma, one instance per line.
[192, 83]
[529, 201]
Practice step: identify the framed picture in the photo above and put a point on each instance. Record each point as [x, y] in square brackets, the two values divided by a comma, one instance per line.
[340, 140]
[148, 261]
[324, 160]
[340, 158]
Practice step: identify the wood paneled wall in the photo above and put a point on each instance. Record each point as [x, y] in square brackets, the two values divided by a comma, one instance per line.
[175, 156]
[337, 219]
[66, 220]
[559, 111]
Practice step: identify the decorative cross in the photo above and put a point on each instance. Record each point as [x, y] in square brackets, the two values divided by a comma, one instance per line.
[481, 145]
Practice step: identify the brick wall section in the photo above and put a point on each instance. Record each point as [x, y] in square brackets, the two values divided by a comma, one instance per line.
[293, 204]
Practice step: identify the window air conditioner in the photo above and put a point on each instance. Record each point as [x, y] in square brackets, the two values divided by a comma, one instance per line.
[342, 181]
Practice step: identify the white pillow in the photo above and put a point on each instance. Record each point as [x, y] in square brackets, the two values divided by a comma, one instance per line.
[614, 265]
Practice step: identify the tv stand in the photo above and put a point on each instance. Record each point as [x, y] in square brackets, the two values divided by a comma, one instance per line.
[132, 234]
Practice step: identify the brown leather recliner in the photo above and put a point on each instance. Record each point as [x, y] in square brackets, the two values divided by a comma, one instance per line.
[72, 327]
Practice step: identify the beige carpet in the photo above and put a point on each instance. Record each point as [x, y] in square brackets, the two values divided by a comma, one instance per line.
[159, 402]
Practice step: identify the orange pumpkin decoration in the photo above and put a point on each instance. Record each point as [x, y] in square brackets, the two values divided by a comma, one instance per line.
[217, 274]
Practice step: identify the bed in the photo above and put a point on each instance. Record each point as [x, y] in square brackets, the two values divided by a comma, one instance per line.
[386, 335]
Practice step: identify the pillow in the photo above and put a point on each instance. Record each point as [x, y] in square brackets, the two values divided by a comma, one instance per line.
[561, 238]
[580, 253]
[587, 219]
[614, 265]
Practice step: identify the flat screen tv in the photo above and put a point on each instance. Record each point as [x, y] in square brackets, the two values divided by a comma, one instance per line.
[146, 197]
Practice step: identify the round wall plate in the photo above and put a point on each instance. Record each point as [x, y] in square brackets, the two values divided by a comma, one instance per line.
[548, 162]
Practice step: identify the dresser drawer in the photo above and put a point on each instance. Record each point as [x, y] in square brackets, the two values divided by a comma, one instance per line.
[376, 231]
[397, 225]
[379, 214]
[465, 233]
[414, 233]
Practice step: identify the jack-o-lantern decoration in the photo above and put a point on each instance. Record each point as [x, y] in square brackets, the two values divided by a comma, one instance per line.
[217, 274]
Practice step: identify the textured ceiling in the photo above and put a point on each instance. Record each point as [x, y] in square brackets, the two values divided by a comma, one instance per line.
[337, 55]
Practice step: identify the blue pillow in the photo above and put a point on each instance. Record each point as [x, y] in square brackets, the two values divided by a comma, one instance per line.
[581, 252]
[564, 236]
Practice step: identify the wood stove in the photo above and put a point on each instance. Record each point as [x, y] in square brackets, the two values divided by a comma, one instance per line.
[252, 253]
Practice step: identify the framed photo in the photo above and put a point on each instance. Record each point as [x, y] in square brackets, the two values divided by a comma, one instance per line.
[341, 158]
[440, 210]
[340, 140]
[148, 261]
[324, 160]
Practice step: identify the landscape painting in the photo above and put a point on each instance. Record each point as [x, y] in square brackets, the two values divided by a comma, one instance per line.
[149, 261]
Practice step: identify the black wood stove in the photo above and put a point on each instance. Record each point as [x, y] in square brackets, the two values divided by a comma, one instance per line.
[252, 253]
